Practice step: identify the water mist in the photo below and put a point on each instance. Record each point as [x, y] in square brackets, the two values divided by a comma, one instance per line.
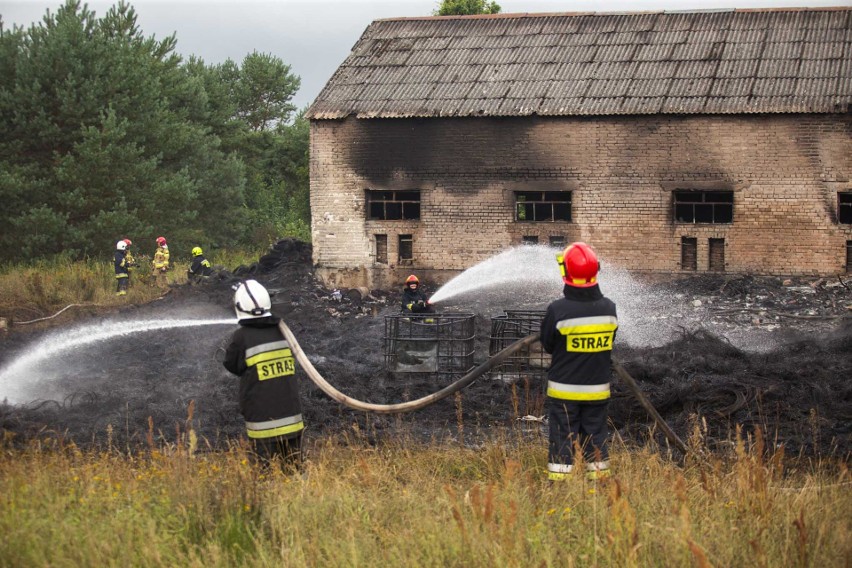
[25, 377]
[528, 278]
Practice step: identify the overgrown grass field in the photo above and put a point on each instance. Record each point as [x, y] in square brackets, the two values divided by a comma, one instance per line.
[410, 504]
[37, 290]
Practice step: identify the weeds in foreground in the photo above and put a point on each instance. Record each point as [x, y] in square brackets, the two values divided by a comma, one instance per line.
[405, 503]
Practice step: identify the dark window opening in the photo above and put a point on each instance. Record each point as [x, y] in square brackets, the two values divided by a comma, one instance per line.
[717, 255]
[688, 253]
[529, 240]
[844, 207]
[542, 205]
[849, 256]
[382, 249]
[704, 206]
[406, 248]
[557, 241]
[393, 205]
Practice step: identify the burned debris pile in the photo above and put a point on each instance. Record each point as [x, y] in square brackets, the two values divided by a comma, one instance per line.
[798, 395]
[797, 390]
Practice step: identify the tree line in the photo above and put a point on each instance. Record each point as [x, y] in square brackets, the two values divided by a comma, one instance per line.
[106, 134]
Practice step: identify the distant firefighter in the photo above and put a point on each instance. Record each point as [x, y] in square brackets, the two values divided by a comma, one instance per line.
[122, 273]
[129, 260]
[269, 389]
[414, 300]
[200, 268]
[160, 263]
[579, 330]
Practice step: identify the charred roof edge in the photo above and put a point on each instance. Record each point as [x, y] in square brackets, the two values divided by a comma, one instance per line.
[838, 8]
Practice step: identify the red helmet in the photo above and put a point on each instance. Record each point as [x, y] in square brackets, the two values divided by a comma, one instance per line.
[128, 242]
[412, 280]
[161, 241]
[579, 265]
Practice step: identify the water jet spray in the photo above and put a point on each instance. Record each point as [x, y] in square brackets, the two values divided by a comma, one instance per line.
[24, 371]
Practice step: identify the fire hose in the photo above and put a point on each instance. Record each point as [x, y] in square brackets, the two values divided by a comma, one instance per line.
[408, 406]
[461, 383]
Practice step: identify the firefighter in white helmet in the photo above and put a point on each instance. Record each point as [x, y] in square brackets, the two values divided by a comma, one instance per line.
[578, 330]
[122, 265]
[269, 390]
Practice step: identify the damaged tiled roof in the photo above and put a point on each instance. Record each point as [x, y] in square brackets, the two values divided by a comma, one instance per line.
[704, 62]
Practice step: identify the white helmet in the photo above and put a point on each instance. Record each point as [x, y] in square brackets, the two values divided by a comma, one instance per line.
[120, 245]
[251, 300]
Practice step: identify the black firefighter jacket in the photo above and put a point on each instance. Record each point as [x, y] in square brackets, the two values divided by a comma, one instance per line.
[269, 390]
[578, 331]
[200, 267]
[414, 301]
[119, 259]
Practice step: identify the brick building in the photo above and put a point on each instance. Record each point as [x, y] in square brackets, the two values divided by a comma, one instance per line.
[671, 142]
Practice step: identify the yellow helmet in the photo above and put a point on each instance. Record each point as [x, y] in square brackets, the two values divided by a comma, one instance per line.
[196, 251]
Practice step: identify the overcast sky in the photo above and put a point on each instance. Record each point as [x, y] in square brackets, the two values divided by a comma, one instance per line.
[314, 37]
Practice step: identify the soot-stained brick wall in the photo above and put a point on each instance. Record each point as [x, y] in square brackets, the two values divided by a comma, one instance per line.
[785, 172]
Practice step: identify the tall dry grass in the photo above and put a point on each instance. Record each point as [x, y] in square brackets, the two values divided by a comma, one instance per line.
[40, 289]
[412, 504]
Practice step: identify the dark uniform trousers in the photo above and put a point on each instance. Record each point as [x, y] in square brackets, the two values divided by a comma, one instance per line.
[580, 424]
[287, 450]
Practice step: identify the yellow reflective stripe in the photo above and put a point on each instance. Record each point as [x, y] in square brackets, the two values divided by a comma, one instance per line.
[580, 396]
[264, 347]
[276, 368]
[272, 432]
[581, 281]
[589, 343]
[588, 320]
[121, 276]
[553, 476]
[268, 356]
[577, 392]
[588, 329]
[593, 324]
[599, 474]
[589, 334]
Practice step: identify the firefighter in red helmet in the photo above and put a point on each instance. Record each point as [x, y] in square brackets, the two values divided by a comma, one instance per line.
[413, 299]
[578, 330]
[160, 263]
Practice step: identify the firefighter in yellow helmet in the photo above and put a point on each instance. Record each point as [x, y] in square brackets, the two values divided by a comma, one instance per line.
[161, 263]
[200, 268]
[578, 330]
